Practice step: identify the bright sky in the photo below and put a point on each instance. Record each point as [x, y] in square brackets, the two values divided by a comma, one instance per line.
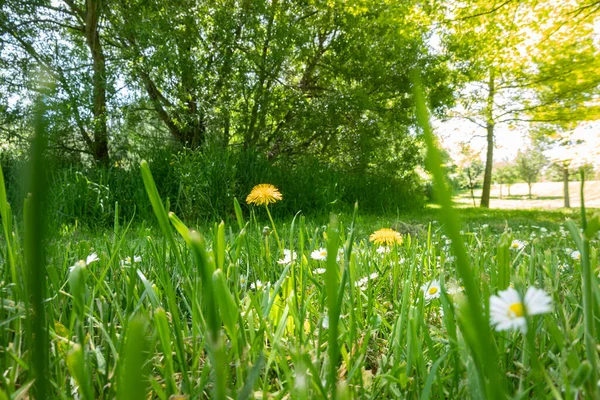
[508, 141]
[456, 131]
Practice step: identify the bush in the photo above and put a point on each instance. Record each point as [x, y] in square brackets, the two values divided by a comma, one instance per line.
[202, 186]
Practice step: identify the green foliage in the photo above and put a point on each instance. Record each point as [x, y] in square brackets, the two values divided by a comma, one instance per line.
[529, 164]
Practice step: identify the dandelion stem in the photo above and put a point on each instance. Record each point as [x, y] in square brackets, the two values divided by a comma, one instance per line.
[274, 229]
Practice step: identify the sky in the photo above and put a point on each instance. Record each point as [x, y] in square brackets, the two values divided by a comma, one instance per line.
[509, 141]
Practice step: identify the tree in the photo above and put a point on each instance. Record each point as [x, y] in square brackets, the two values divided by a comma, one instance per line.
[568, 155]
[469, 168]
[506, 174]
[61, 43]
[530, 163]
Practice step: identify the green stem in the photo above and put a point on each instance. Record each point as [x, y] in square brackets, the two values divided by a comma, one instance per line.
[588, 308]
[274, 229]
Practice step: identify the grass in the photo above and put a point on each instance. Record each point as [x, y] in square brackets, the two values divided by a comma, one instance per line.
[228, 310]
[187, 311]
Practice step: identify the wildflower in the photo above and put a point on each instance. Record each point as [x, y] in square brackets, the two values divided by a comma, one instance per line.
[266, 231]
[319, 271]
[258, 285]
[288, 257]
[517, 244]
[263, 194]
[243, 281]
[543, 230]
[126, 262]
[386, 237]
[450, 259]
[462, 233]
[448, 242]
[507, 309]
[325, 323]
[453, 289]
[373, 276]
[320, 254]
[576, 255]
[485, 226]
[84, 263]
[383, 250]
[91, 258]
[431, 290]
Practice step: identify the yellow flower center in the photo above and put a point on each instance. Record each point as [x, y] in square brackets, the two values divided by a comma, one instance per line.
[516, 310]
[432, 290]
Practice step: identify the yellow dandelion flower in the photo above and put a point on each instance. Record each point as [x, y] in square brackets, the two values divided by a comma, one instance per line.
[263, 194]
[386, 237]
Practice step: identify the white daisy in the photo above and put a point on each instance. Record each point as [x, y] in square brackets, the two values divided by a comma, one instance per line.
[320, 254]
[517, 244]
[383, 250]
[319, 271]
[243, 281]
[91, 258]
[507, 309]
[288, 257]
[127, 260]
[256, 285]
[84, 263]
[431, 290]
[576, 255]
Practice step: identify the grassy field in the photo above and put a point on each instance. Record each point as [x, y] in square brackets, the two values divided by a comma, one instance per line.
[305, 309]
[544, 195]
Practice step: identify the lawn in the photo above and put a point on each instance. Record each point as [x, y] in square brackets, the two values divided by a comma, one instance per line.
[545, 195]
[308, 308]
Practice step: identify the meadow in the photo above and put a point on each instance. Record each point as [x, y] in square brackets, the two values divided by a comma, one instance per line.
[356, 307]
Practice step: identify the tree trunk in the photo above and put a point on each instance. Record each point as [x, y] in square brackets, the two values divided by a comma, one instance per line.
[508, 189]
[500, 195]
[530, 185]
[566, 187]
[92, 15]
[489, 157]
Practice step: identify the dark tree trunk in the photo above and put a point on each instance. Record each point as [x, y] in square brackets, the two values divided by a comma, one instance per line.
[489, 157]
[100, 133]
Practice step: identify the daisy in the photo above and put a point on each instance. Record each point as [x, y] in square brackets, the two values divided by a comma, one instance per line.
[517, 244]
[576, 255]
[319, 271]
[263, 194]
[91, 258]
[126, 262]
[288, 257]
[320, 254]
[256, 285]
[383, 250]
[431, 290]
[507, 309]
[84, 263]
[243, 281]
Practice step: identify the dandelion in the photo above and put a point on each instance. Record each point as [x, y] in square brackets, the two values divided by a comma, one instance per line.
[508, 310]
[288, 257]
[263, 194]
[320, 254]
[576, 255]
[319, 271]
[386, 237]
[431, 290]
[517, 244]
